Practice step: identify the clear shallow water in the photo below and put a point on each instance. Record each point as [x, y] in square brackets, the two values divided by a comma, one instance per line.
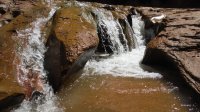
[106, 93]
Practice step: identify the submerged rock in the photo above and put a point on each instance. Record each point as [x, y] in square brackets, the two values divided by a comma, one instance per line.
[72, 42]
[177, 45]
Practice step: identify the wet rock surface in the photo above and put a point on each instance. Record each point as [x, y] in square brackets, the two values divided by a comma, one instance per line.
[8, 63]
[10, 9]
[8, 58]
[177, 45]
[72, 42]
[13, 89]
[114, 21]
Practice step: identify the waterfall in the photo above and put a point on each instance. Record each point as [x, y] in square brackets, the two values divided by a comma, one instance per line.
[126, 64]
[132, 40]
[122, 36]
[138, 28]
[109, 30]
[31, 68]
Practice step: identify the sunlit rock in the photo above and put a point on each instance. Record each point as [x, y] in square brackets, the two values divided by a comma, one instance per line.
[177, 45]
[72, 42]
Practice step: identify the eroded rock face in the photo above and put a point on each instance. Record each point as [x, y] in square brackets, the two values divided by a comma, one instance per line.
[72, 42]
[178, 44]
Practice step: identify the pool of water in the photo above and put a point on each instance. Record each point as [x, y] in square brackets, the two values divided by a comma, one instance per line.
[106, 93]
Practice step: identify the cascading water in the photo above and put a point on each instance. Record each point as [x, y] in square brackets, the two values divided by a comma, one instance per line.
[126, 64]
[32, 70]
[112, 38]
[122, 37]
[108, 25]
[138, 28]
[96, 90]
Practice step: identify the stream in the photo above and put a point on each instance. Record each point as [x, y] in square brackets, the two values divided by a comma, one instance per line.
[116, 83]
[119, 84]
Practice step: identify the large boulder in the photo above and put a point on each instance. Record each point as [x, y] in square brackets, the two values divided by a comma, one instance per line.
[72, 42]
[177, 46]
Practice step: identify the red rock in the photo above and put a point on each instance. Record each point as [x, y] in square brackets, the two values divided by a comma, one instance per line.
[72, 42]
[177, 45]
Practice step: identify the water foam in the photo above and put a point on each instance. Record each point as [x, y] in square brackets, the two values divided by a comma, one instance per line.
[125, 64]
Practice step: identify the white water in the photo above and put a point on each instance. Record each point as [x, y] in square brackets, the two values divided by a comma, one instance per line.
[138, 28]
[106, 19]
[32, 58]
[125, 45]
[125, 64]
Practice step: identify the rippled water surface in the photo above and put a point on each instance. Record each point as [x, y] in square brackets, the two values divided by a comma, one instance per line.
[99, 93]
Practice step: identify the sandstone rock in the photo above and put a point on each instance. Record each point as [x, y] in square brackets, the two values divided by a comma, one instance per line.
[11, 91]
[8, 57]
[178, 44]
[8, 61]
[10, 9]
[72, 42]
